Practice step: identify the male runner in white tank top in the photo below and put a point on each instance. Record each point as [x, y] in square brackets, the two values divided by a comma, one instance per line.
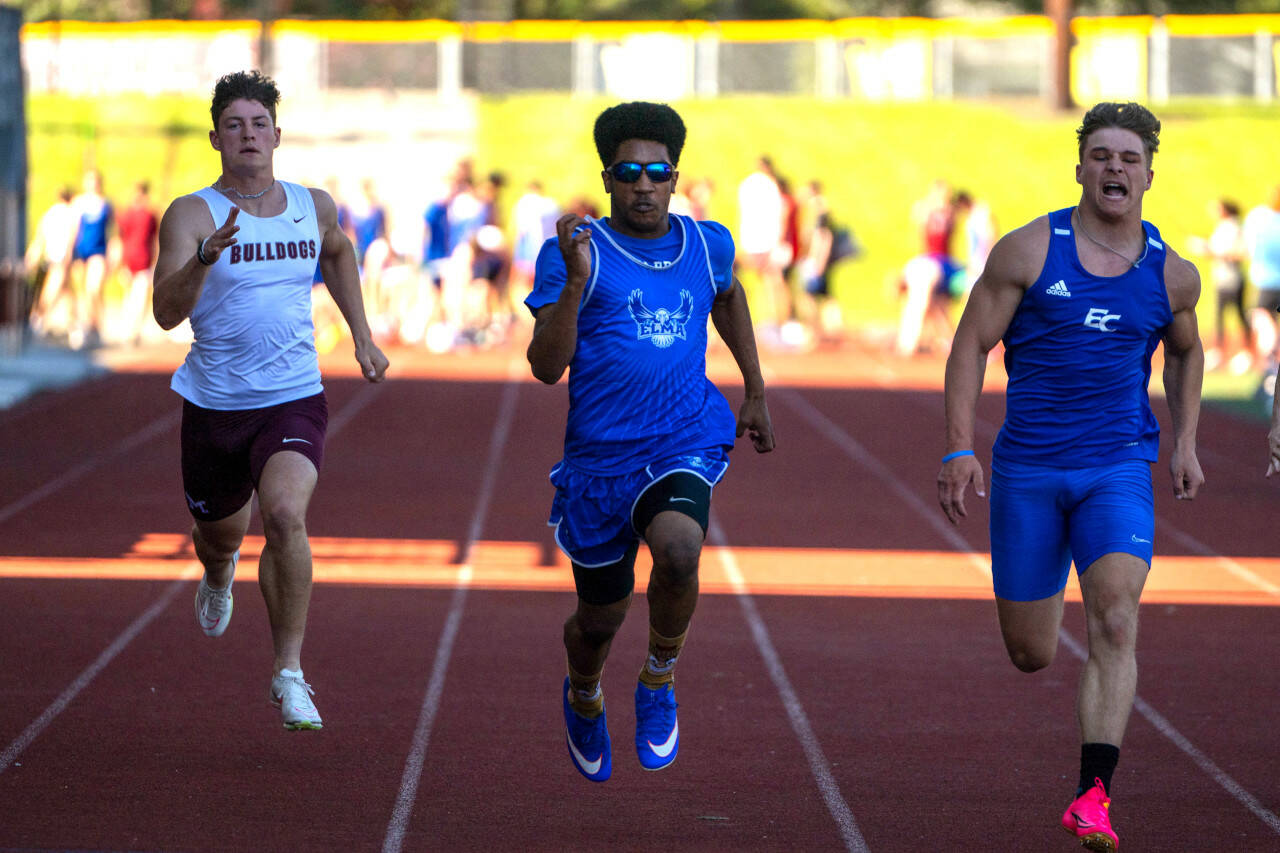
[238, 259]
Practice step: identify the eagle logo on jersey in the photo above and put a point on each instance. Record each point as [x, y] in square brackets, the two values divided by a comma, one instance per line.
[661, 326]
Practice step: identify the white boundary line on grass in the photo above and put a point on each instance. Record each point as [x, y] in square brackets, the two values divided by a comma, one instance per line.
[32, 731]
[861, 455]
[818, 764]
[398, 826]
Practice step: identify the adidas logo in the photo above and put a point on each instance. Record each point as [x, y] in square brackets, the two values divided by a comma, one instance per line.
[1059, 288]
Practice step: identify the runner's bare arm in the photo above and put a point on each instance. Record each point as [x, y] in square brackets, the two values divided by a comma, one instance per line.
[1012, 267]
[1183, 373]
[342, 278]
[732, 320]
[555, 329]
[186, 230]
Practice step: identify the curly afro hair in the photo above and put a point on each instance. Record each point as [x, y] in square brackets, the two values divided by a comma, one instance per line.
[638, 120]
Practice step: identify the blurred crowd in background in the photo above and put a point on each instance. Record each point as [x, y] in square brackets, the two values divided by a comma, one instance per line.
[455, 272]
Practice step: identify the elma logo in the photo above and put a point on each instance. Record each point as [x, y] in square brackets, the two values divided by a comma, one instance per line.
[661, 327]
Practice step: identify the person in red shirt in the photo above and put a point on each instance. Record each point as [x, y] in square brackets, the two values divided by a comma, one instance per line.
[138, 226]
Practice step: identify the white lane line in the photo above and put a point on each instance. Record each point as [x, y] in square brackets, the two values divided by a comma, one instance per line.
[13, 750]
[860, 455]
[68, 477]
[854, 450]
[1225, 563]
[1187, 541]
[398, 826]
[1162, 725]
[31, 732]
[818, 764]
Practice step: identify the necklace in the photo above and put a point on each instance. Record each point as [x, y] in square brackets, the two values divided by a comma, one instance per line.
[652, 265]
[1096, 241]
[235, 192]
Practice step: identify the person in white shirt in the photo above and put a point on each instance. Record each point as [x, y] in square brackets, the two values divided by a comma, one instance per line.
[254, 408]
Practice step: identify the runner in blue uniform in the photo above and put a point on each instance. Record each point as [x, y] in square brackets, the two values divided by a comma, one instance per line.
[623, 303]
[1081, 298]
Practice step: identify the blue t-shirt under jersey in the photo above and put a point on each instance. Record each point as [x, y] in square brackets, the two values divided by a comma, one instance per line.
[638, 388]
[1078, 355]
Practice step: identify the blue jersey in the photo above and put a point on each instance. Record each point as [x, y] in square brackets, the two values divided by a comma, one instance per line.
[638, 388]
[436, 239]
[368, 226]
[1078, 355]
[92, 237]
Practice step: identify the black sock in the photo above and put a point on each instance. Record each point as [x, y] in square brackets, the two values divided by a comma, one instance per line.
[1097, 761]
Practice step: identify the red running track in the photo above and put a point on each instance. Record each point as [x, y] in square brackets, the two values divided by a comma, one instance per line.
[845, 687]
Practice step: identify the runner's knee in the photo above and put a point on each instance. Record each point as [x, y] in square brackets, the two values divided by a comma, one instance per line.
[675, 560]
[1029, 657]
[595, 625]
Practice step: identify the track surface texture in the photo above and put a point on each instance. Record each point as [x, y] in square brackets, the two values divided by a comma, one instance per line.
[844, 687]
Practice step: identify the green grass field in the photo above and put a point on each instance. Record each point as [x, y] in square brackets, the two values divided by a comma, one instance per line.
[875, 160]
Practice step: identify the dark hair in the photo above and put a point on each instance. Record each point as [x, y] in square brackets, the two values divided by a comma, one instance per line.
[249, 85]
[638, 120]
[1130, 116]
[1229, 207]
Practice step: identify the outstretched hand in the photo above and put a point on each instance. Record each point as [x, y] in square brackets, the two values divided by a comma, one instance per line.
[211, 247]
[953, 481]
[754, 420]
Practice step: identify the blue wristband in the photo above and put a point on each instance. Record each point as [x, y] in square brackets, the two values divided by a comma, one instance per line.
[956, 455]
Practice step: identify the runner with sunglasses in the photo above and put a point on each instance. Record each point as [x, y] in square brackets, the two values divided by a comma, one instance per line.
[623, 303]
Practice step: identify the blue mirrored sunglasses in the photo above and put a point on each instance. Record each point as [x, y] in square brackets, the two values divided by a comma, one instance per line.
[629, 173]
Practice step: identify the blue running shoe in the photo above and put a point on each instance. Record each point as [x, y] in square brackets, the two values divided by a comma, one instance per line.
[588, 741]
[657, 730]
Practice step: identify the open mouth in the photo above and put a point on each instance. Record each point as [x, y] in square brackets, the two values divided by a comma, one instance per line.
[1112, 189]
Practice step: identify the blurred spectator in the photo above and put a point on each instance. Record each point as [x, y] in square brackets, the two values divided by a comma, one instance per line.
[138, 227]
[373, 251]
[761, 219]
[826, 245]
[89, 261]
[700, 191]
[1262, 240]
[490, 312]
[980, 234]
[534, 217]
[1226, 251]
[928, 280]
[48, 260]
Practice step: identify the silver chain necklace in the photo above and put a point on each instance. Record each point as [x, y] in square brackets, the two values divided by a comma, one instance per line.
[235, 192]
[1145, 245]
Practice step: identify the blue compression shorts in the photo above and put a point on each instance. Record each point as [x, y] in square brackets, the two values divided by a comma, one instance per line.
[592, 514]
[1043, 518]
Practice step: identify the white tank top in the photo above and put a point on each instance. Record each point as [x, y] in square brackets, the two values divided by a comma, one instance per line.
[254, 338]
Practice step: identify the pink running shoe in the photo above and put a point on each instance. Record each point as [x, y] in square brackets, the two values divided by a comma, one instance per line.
[1087, 819]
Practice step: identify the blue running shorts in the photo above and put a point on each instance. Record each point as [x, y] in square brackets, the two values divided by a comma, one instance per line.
[1043, 518]
[592, 513]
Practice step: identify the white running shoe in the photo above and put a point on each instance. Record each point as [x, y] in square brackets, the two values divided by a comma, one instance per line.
[292, 696]
[213, 606]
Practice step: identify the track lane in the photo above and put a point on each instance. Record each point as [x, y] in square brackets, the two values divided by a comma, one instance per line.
[891, 776]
